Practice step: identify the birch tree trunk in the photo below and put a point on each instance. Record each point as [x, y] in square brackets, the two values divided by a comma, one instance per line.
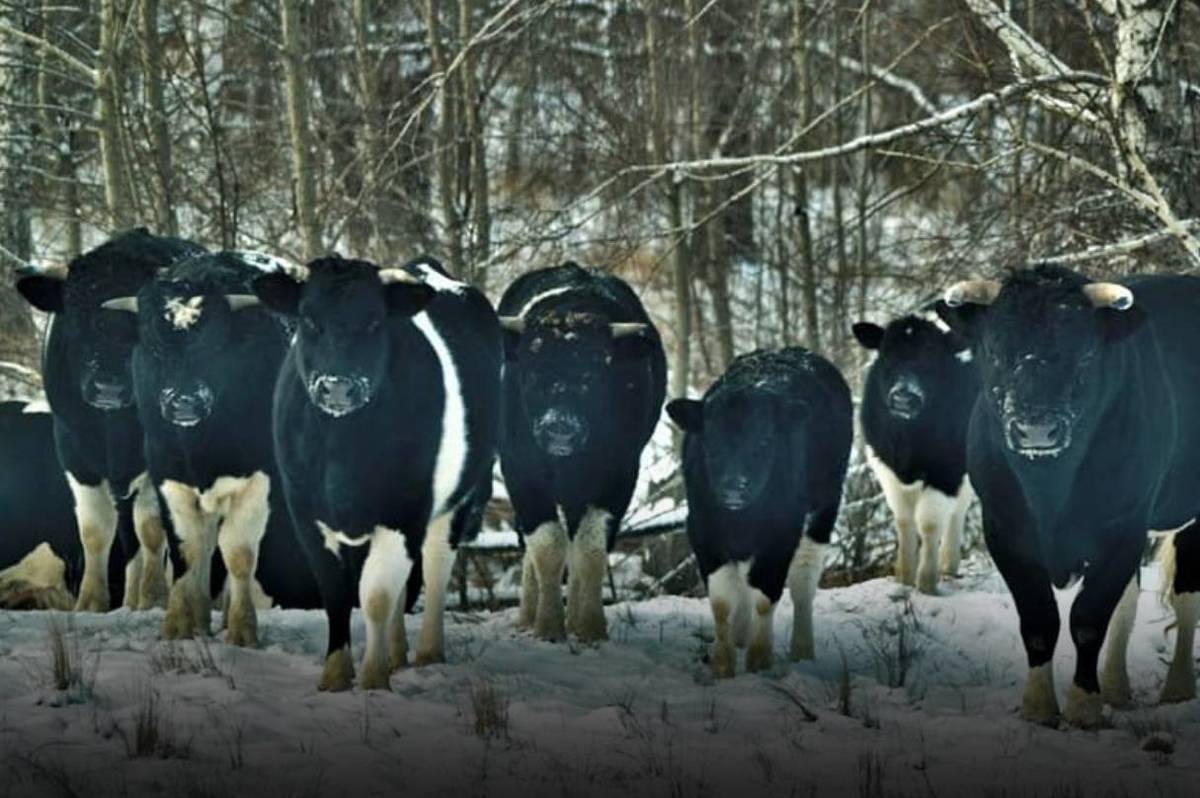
[156, 117]
[108, 120]
[481, 219]
[808, 265]
[445, 141]
[370, 143]
[298, 126]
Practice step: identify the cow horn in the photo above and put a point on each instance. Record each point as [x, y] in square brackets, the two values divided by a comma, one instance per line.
[514, 324]
[389, 276]
[241, 301]
[623, 328]
[972, 292]
[129, 304]
[1109, 295]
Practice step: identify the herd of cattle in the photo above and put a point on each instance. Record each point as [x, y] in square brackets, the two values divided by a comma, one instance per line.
[332, 428]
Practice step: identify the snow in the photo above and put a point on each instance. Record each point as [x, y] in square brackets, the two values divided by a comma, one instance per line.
[639, 714]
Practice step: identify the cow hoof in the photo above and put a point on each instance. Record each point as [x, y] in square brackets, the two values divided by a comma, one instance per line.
[338, 674]
[1084, 710]
[1116, 692]
[374, 678]
[398, 660]
[551, 629]
[802, 652]
[593, 631]
[759, 658]
[178, 623]
[1178, 688]
[92, 599]
[1039, 704]
[429, 658]
[928, 586]
[243, 635]
[724, 661]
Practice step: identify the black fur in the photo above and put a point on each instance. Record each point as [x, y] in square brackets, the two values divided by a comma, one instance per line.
[609, 390]
[35, 503]
[764, 460]
[373, 464]
[1121, 388]
[89, 346]
[232, 358]
[929, 446]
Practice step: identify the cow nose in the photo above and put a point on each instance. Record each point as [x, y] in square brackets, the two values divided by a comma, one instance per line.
[1042, 433]
[905, 399]
[338, 396]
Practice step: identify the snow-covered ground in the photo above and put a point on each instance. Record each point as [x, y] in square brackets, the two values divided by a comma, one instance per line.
[638, 715]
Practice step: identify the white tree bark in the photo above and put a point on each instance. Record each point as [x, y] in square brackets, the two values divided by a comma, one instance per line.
[298, 126]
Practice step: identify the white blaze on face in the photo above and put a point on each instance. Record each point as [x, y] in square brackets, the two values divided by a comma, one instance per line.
[183, 313]
[453, 447]
[438, 281]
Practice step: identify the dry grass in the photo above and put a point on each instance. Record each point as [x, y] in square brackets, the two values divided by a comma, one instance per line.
[489, 710]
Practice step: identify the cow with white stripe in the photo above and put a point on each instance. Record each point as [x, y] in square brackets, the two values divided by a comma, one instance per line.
[916, 403]
[583, 390]
[86, 367]
[203, 373]
[386, 417]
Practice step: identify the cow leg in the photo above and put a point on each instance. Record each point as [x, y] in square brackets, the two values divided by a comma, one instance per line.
[380, 590]
[1103, 586]
[398, 634]
[950, 557]
[96, 514]
[437, 563]
[585, 577]
[1030, 586]
[1114, 679]
[727, 589]
[150, 584]
[902, 501]
[803, 577]
[245, 522]
[189, 606]
[527, 615]
[935, 512]
[1185, 589]
[133, 581]
[548, 548]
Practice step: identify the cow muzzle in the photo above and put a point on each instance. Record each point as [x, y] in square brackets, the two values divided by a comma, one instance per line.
[733, 492]
[108, 394]
[906, 399]
[339, 396]
[186, 407]
[1038, 435]
[560, 433]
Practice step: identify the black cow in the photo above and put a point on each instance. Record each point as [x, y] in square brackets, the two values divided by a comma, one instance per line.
[35, 503]
[916, 403]
[1086, 435]
[96, 430]
[764, 459]
[583, 391]
[203, 372]
[386, 417]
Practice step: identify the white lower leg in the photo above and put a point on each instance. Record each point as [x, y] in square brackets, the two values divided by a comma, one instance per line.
[133, 581]
[189, 606]
[547, 547]
[397, 634]
[151, 583]
[529, 593]
[1181, 678]
[902, 501]
[906, 551]
[934, 513]
[951, 554]
[589, 565]
[380, 586]
[760, 654]
[804, 575]
[245, 512]
[727, 589]
[96, 515]
[437, 561]
[1114, 678]
[1039, 704]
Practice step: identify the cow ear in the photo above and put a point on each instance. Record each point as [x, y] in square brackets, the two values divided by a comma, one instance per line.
[1120, 323]
[868, 334]
[407, 299]
[688, 414]
[279, 292]
[44, 292]
[963, 320]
